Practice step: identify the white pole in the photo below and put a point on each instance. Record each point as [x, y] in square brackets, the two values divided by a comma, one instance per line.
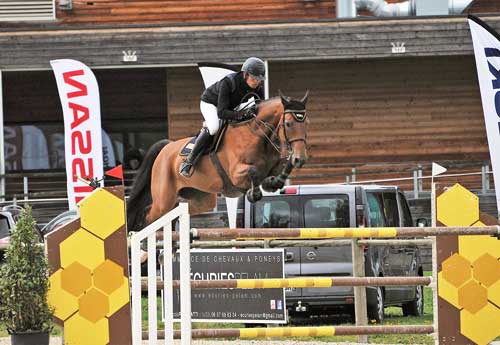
[185, 274]
[232, 211]
[135, 256]
[266, 82]
[434, 264]
[168, 291]
[152, 306]
[2, 156]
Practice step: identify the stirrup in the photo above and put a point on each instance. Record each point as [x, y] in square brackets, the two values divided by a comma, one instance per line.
[186, 169]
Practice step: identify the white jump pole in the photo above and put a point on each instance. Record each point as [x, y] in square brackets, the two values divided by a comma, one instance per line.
[185, 274]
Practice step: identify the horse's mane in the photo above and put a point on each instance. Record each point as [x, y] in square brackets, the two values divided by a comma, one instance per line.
[268, 103]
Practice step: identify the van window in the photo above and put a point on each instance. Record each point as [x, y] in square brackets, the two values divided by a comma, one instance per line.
[272, 213]
[375, 209]
[407, 220]
[331, 212]
[4, 227]
[391, 209]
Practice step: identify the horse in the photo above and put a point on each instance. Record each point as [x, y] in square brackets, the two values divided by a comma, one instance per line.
[260, 151]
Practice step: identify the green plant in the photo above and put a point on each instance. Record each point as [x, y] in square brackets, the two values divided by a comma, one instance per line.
[24, 280]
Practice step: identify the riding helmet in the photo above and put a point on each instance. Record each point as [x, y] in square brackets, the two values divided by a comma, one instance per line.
[255, 67]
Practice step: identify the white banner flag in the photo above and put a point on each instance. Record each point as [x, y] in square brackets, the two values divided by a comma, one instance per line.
[487, 52]
[213, 72]
[79, 96]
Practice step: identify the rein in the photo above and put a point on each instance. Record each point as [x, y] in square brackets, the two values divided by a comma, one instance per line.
[262, 125]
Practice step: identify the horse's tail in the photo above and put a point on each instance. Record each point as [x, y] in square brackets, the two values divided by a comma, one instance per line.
[140, 197]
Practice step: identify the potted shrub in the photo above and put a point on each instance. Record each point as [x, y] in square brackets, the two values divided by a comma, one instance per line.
[24, 284]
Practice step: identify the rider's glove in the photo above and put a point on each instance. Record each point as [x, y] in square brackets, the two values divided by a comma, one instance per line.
[245, 114]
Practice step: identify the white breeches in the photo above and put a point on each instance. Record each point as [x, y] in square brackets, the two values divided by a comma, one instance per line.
[209, 112]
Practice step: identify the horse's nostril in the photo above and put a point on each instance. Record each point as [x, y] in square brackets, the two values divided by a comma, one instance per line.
[298, 162]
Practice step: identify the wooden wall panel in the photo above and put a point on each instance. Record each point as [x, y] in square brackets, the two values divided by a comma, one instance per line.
[391, 110]
[184, 87]
[193, 11]
[371, 114]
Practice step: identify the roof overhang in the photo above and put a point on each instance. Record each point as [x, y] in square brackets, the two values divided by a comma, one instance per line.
[157, 46]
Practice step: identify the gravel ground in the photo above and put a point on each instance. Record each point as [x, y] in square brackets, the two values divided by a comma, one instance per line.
[57, 341]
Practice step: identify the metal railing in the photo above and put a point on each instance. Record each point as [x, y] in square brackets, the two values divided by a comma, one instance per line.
[47, 187]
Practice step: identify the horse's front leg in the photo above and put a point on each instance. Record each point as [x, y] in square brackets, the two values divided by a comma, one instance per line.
[273, 183]
[254, 194]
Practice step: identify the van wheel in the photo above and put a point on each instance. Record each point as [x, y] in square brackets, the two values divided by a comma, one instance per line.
[376, 312]
[415, 307]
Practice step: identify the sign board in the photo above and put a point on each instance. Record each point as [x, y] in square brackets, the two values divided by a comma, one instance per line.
[234, 305]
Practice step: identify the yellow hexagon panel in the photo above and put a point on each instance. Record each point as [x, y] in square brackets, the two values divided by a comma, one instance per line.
[447, 291]
[64, 303]
[119, 297]
[108, 276]
[83, 247]
[481, 327]
[457, 207]
[102, 213]
[76, 279]
[93, 305]
[472, 247]
[472, 296]
[456, 270]
[486, 270]
[494, 293]
[80, 331]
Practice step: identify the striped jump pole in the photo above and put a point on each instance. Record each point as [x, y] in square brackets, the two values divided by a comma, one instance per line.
[215, 234]
[312, 282]
[321, 331]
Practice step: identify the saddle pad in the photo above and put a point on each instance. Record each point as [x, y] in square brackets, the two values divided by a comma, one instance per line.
[211, 147]
[186, 150]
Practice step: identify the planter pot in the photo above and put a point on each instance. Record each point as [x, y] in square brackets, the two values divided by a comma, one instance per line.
[30, 338]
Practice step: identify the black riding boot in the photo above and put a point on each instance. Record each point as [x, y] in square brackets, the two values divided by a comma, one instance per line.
[203, 138]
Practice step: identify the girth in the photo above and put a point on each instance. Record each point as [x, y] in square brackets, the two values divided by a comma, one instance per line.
[228, 187]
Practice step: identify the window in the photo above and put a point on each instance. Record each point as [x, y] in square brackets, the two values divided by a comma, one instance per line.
[331, 212]
[4, 227]
[272, 213]
[133, 117]
[391, 209]
[407, 219]
[375, 209]
[27, 10]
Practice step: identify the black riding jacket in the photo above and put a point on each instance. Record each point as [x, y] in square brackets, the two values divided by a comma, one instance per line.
[228, 93]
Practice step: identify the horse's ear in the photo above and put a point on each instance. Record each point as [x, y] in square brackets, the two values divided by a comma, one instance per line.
[284, 100]
[304, 99]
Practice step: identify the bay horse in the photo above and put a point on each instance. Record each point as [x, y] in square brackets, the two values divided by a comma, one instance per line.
[260, 151]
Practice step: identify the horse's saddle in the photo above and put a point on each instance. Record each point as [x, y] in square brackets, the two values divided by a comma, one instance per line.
[212, 147]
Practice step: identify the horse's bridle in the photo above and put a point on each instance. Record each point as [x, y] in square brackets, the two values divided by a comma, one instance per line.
[298, 115]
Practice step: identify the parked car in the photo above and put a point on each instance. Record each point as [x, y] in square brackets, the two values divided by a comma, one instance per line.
[8, 218]
[338, 206]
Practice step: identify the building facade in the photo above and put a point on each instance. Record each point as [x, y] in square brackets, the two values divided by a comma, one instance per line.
[384, 91]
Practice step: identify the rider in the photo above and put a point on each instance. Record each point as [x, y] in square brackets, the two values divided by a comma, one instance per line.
[218, 102]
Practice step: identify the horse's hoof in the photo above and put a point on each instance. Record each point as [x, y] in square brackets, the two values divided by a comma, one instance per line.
[254, 195]
[272, 184]
[269, 184]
